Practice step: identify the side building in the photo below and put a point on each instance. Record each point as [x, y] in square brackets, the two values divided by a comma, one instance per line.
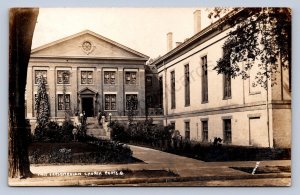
[92, 72]
[202, 104]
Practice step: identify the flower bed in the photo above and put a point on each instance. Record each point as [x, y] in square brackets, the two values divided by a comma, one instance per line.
[76, 153]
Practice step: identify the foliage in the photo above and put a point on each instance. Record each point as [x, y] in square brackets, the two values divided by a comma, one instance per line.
[261, 35]
[42, 103]
[97, 151]
[118, 132]
[132, 105]
[52, 132]
[142, 132]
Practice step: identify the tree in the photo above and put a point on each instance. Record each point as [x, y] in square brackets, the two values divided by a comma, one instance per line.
[132, 103]
[21, 26]
[65, 80]
[262, 35]
[42, 104]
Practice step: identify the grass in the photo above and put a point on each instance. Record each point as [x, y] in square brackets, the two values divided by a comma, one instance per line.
[79, 153]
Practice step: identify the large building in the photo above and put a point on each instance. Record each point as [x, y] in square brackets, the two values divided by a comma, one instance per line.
[202, 104]
[87, 72]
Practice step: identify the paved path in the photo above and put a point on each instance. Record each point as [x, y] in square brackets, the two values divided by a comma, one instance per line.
[189, 170]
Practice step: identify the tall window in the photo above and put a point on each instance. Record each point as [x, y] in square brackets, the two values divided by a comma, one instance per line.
[149, 101]
[187, 84]
[110, 77]
[204, 79]
[131, 100]
[227, 86]
[227, 130]
[130, 78]
[64, 102]
[187, 130]
[204, 131]
[63, 77]
[173, 92]
[38, 74]
[161, 92]
[149, 80]
[172, 123]
[86, 77]
[110, 102]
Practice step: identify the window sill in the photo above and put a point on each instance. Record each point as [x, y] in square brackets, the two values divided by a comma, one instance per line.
[60, 84]
[188, 105]
[254, 93]
[227, 98]
[204, 102]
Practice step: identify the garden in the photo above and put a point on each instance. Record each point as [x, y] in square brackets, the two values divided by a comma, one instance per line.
[56, 143]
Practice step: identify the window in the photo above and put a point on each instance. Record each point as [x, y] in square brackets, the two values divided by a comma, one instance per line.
[204, 131]
[86, 77]
[64, 102]
[161, 92]
[63, 77]
[110, 102]
[131, 101]
[35, 100]
[227, 86]
[187, 130]
[110, 77]
[130, 78]
[227, 130]
[204, 79]
[149, 101]
[38, 74]
[187, 85]
[173, 98]
[172, 124]
[149, 80]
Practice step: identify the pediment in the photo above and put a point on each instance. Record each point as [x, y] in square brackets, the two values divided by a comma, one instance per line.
[86, 44]
[87, 91]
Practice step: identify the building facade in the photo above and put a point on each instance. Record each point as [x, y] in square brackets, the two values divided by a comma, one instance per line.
[202, 104]
[87, 72]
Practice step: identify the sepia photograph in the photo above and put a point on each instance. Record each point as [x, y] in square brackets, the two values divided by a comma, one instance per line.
[185, 96]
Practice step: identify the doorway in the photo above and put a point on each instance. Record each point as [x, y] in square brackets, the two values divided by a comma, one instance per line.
[88, 106]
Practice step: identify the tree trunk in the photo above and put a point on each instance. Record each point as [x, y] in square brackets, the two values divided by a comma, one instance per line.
[21, 26]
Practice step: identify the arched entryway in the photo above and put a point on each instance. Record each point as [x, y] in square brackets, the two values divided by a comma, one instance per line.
[87, 103]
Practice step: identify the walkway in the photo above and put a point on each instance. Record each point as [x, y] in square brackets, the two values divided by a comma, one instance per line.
[95, 130]
[190, 171]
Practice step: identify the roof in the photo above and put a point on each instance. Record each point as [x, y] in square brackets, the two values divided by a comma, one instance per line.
[93, 34]
[198, 36]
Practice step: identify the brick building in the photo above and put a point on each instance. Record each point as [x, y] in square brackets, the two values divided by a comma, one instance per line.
[93, 72]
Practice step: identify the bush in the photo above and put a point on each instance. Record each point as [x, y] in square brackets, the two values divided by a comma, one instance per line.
[118, 132]
[52, 132]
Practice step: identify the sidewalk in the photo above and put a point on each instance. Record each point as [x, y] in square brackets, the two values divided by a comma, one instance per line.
[189, 170]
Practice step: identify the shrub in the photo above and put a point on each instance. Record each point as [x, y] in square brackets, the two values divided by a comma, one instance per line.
[52, 132]
[118, 132]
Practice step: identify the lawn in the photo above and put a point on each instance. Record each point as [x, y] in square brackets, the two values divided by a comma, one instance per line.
[100, 152]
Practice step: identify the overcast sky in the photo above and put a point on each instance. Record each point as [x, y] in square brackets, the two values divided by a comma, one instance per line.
[142, 29]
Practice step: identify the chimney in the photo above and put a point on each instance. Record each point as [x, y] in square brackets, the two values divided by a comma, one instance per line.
[169, 41]
[197, 21]
[178, 43]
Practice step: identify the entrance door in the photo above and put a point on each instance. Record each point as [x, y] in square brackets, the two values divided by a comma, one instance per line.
[88, 106]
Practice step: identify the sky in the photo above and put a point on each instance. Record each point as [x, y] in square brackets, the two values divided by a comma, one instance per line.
[141, 29]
